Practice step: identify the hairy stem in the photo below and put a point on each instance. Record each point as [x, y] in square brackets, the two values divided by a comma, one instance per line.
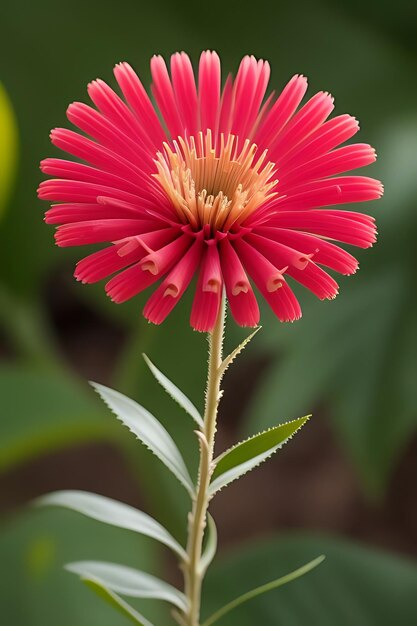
[198, 515]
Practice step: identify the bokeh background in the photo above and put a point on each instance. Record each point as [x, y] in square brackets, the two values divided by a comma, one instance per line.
[346, 485]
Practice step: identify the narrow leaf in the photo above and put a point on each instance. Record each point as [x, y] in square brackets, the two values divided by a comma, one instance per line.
[116, 601]
[211, 544]
[247, 454]
[128, 582]
[274, 584]
[231, 357]
[114, 513]
[149, 430]
[174, 392]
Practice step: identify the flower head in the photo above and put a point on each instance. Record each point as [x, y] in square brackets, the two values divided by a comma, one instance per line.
[229, 186]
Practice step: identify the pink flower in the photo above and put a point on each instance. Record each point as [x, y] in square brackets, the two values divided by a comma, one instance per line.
[230, 186]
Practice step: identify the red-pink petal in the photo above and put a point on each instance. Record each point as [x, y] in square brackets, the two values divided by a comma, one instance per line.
[323, 193]
[277, 252]
[304, 122]
[258, 267]
[185, 91]
[135, 279]
[109, 135]
[336, 162]
[105, 262]
[91, 152]
[316, 280]
[226, 107]
[324, 252]
[85, 173]
[165, 97]
[249, 89]
[270, 282]
[79, 191]
[326, 137]
[170, 291]
[129, 283]
[70, 212]
[209, 289]
[344, 226]
[139, 101]
[158, 261]
[113, 107]
[97, 231]
[209, 79]
[242, 300]
[282, 111]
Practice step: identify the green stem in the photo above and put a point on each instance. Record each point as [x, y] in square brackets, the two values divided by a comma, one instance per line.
[198, 515]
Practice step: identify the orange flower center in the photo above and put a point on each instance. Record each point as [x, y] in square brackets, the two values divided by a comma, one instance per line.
[216, 186]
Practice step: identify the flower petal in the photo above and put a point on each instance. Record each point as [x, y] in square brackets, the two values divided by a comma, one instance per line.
[240, 295]
[209, 289]
[170, 291]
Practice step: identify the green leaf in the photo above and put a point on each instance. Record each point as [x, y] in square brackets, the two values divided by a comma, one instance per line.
[231, 357]
[210, 547]
[148, 430]
[247, 454]
[174, 392]
[356, 586]
[258, 591]
[8, 148]
[129, 582]
[114, 513]
[34, 587]
[116, 602]
[45, 411]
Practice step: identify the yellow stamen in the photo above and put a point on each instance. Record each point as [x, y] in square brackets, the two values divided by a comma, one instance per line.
[220, 187]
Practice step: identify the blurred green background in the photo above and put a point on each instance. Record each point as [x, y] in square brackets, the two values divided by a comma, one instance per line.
[346, 485]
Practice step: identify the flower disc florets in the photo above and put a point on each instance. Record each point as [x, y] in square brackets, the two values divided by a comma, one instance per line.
[215, 187]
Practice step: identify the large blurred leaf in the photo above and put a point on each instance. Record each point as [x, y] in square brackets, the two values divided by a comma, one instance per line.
[353, 587]
[8, 148]
[35, 589]
[42, 411]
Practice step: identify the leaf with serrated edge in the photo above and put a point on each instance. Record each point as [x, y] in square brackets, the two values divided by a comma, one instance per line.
[211, 545]
[231, 357]
[274, 584]
[149, 430]
[129, 582]
[175, 393]
[116, 601]
[112, 512]
[246, 455]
